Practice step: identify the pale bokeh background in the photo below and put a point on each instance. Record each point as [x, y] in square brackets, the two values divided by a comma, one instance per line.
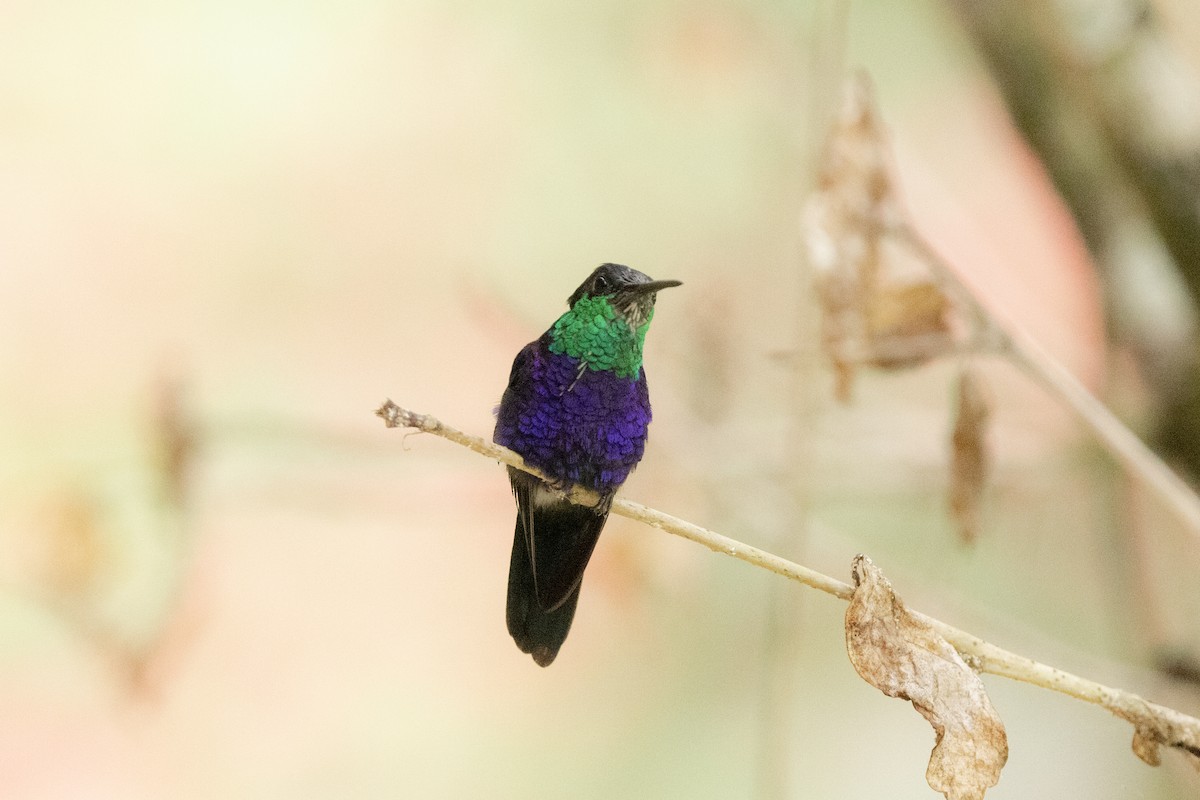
[293, 210]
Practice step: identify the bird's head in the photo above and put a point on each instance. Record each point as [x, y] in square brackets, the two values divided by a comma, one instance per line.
[630, 293]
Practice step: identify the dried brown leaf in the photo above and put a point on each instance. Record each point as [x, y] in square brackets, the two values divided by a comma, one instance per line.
[907, 310]
[844, 224]
[902, 656]
[1154, 728]
[1145, 747]
[841, 329]
[879, 303]
[855, 202]
[908, 324]
[969, 455]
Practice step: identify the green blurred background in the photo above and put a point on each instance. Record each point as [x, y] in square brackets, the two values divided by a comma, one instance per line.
[229, 230]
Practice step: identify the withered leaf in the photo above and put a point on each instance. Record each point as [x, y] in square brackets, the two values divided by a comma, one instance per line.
[908, 324]
[1145, 747]
[969, 455]
[903, 657]
[844, 223]
[1155, 727]
[879, 304]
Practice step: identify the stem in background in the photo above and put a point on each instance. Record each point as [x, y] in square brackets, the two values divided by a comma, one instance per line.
[1154, 724]
[1026, 353]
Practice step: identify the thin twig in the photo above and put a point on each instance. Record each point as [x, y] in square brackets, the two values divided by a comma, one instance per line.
[396, 417]
[1154, 724]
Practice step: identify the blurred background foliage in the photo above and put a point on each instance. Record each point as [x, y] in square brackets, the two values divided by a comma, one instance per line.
[228, 230]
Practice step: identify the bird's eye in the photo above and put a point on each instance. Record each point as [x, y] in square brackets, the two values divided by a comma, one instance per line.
[601, 284]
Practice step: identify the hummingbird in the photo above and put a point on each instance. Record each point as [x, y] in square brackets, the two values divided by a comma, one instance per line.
[577, 408]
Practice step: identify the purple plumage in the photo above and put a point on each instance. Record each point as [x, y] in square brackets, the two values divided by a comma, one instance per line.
[586, 427]
[577, 408]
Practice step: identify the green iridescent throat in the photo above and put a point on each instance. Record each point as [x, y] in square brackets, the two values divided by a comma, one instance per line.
[594, 332]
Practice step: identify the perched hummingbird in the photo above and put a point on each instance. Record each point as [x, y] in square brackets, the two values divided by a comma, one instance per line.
[577, 408]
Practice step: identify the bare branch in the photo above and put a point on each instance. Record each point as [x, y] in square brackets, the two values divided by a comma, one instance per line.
[1154, 725]
[394, 416]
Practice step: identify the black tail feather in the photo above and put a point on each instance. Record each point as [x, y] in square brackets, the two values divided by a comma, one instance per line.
[537, 632]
